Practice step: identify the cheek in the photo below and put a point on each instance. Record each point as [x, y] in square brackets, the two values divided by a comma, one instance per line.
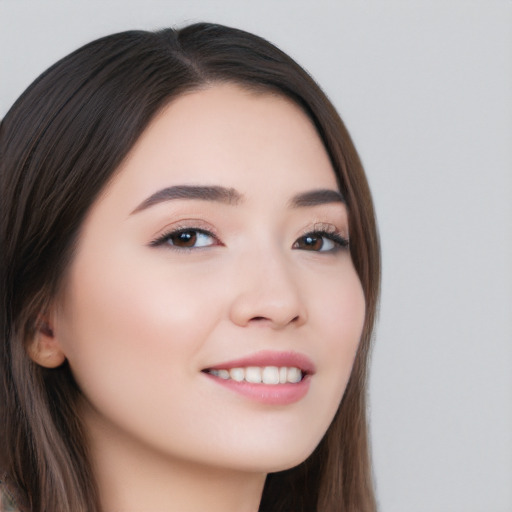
[339, 312]
[120, 324]
[340, 319]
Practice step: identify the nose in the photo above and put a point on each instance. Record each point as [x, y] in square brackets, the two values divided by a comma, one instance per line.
[267, 293]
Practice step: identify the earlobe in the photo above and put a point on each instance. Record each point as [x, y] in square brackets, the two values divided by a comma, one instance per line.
[44, 349]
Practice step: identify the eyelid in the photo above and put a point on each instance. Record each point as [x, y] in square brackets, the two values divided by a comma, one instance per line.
[324, 227]
[329, 231]
[183, 225]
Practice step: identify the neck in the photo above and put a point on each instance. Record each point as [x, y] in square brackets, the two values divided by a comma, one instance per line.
[132, 477]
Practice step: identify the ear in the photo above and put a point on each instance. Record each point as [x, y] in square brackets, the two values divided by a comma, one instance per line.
[44, 349]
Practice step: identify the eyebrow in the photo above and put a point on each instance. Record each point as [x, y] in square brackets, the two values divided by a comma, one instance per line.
[317, 197]
[204, 193]
[232, 197]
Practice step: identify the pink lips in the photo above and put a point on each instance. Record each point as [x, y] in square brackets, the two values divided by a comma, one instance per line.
[272, 394]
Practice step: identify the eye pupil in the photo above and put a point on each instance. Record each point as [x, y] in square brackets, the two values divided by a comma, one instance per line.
[185, 239]
[312, 242]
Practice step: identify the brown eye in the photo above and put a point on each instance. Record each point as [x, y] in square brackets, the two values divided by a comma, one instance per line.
[310, 243]
[183, 238]
[186, 239]
[321, 241]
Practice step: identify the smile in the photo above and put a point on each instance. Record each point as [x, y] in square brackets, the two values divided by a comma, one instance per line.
[272, 375]
[268, 377]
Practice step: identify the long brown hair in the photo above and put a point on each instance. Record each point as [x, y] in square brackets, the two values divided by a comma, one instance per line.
[60, 144]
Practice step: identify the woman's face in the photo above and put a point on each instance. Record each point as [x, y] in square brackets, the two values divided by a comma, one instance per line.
[219, 246]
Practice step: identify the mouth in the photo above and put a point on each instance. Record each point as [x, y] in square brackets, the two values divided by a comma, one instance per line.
[274, 378]
[270, 375]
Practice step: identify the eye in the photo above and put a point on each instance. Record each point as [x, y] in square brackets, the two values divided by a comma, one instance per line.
[186, 238]
[321, 241]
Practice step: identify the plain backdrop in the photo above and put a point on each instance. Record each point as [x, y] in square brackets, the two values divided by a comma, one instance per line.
[426, 90]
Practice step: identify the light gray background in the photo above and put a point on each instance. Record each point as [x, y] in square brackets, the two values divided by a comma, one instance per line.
[426, 91]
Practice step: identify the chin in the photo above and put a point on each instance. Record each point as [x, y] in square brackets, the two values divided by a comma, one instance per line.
[271, 458]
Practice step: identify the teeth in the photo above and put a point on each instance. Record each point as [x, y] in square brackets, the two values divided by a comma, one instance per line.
[253, 374]
[224, 374]
[294, 375]
[270, 375]
[267, 375]
[237, 374]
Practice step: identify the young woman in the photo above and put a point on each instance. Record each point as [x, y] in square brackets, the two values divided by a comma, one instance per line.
[189, 278]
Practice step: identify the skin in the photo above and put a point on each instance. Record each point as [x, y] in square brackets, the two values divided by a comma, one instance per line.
[138, 322]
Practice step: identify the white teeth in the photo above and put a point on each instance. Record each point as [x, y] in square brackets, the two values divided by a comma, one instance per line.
[255, 375]
[237, 374]
[270, 375]
[294, 375]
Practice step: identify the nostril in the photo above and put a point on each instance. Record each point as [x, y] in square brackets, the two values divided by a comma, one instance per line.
[264, 320]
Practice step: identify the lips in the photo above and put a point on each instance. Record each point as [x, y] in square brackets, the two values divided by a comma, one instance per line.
[269, 359]
[269, 377]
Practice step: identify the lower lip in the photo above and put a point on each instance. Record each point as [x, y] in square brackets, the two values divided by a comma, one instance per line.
[272, 394]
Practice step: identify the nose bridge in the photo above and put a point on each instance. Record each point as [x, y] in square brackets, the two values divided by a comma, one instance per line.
[267, 290]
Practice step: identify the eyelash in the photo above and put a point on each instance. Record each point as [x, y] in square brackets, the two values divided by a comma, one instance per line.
[339, 241]
[166, 237]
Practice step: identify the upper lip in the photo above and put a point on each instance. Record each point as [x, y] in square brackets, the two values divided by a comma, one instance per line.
[269, 358]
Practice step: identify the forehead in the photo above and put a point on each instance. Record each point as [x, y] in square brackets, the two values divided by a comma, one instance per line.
[228, 135]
